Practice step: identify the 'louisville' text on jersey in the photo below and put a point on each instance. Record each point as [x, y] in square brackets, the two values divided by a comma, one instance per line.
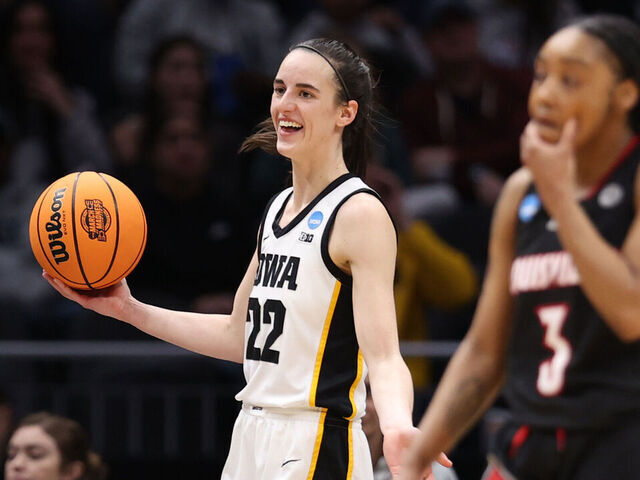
[542, 271]
[276, 270]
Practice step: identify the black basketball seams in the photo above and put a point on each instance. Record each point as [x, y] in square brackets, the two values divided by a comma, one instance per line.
[117, 225]
[73, 229]
[142, 244]
[44, 251]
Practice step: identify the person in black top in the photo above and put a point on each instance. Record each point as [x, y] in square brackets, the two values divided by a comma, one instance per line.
[558, 321]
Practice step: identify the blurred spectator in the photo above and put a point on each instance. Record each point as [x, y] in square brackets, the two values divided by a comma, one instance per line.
[242, 38]
[511, 31]
[21, 285]
[6, 425]
[379, 31]
[86, 29]
[197, 242]
[177, 83]
[41, 109]
[463, 124]
[49, 447]
[47, 129]
[429, 273]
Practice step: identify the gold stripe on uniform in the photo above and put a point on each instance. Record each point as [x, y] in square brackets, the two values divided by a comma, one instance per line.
[323, 344]
[316, 447]
[354, 385]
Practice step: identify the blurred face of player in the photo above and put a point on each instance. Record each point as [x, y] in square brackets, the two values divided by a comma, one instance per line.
[31, 43]
[574, 76]
[180, 80]
[33, 455]
[304, 106]
[182, 150]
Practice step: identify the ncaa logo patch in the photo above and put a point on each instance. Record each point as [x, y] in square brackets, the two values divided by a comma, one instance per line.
[611, 195]
[315, 219]
[529, 207]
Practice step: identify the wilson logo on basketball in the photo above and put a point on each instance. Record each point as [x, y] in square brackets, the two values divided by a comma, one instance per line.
[54, 229]
[95, 220]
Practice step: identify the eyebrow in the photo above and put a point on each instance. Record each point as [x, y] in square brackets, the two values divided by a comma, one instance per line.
[27, 446]
[299, 85]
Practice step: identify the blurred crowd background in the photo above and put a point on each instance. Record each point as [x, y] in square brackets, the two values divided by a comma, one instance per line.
[160, 94]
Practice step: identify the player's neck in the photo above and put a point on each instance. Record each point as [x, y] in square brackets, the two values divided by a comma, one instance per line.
[595, 158]
[309, 178]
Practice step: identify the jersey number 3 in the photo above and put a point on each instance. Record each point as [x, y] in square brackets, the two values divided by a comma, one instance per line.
[551, 373]
[273, 312]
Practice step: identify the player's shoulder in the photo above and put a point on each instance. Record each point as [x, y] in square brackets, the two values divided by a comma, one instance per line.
[514, 189]
[506, 210]
[363, 206]
[518, 182]
[363, 230]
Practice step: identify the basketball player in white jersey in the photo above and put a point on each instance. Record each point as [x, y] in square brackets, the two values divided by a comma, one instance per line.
[315, 311]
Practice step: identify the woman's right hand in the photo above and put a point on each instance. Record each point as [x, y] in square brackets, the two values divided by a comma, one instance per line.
[112, 301]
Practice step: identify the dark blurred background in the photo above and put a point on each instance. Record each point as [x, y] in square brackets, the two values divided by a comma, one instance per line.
[160, 93]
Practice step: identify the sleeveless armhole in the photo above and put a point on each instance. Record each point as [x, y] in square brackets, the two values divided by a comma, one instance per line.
[343, 277]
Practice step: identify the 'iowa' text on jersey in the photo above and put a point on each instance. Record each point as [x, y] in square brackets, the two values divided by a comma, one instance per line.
[276, 270]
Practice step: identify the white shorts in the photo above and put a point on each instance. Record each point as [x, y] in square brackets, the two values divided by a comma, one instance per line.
[277, 444]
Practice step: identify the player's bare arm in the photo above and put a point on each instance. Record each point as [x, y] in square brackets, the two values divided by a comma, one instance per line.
[608, 276]
[363, 244]
[219, 336]
[476, 371]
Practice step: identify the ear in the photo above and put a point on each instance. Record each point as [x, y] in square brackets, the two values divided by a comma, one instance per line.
[73, 471]
[626, 94]
[347, 113]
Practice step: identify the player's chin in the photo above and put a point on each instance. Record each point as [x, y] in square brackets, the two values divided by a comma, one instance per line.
[285, 149]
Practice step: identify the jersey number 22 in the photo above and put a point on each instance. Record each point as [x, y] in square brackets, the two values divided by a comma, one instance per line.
[273, 312]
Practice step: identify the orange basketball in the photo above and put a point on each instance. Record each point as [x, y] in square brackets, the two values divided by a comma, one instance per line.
[88, 229]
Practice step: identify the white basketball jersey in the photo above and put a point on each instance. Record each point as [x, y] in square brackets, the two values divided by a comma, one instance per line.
[301, 349]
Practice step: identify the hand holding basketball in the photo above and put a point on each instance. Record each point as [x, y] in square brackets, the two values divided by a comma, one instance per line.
[110, 301]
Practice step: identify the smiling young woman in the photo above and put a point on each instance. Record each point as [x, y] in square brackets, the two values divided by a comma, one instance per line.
[558, 323]
[315, 310]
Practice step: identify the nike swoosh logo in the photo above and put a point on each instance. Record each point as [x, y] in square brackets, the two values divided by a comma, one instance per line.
[289, 461]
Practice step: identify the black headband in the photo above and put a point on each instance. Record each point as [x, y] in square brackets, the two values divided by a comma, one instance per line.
[313, 49]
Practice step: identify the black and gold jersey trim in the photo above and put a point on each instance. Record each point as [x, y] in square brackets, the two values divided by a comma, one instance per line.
[339, 362]
[333, 450]
[279, 231]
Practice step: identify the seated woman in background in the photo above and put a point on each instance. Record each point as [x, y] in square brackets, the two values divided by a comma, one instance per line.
[50, 447]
